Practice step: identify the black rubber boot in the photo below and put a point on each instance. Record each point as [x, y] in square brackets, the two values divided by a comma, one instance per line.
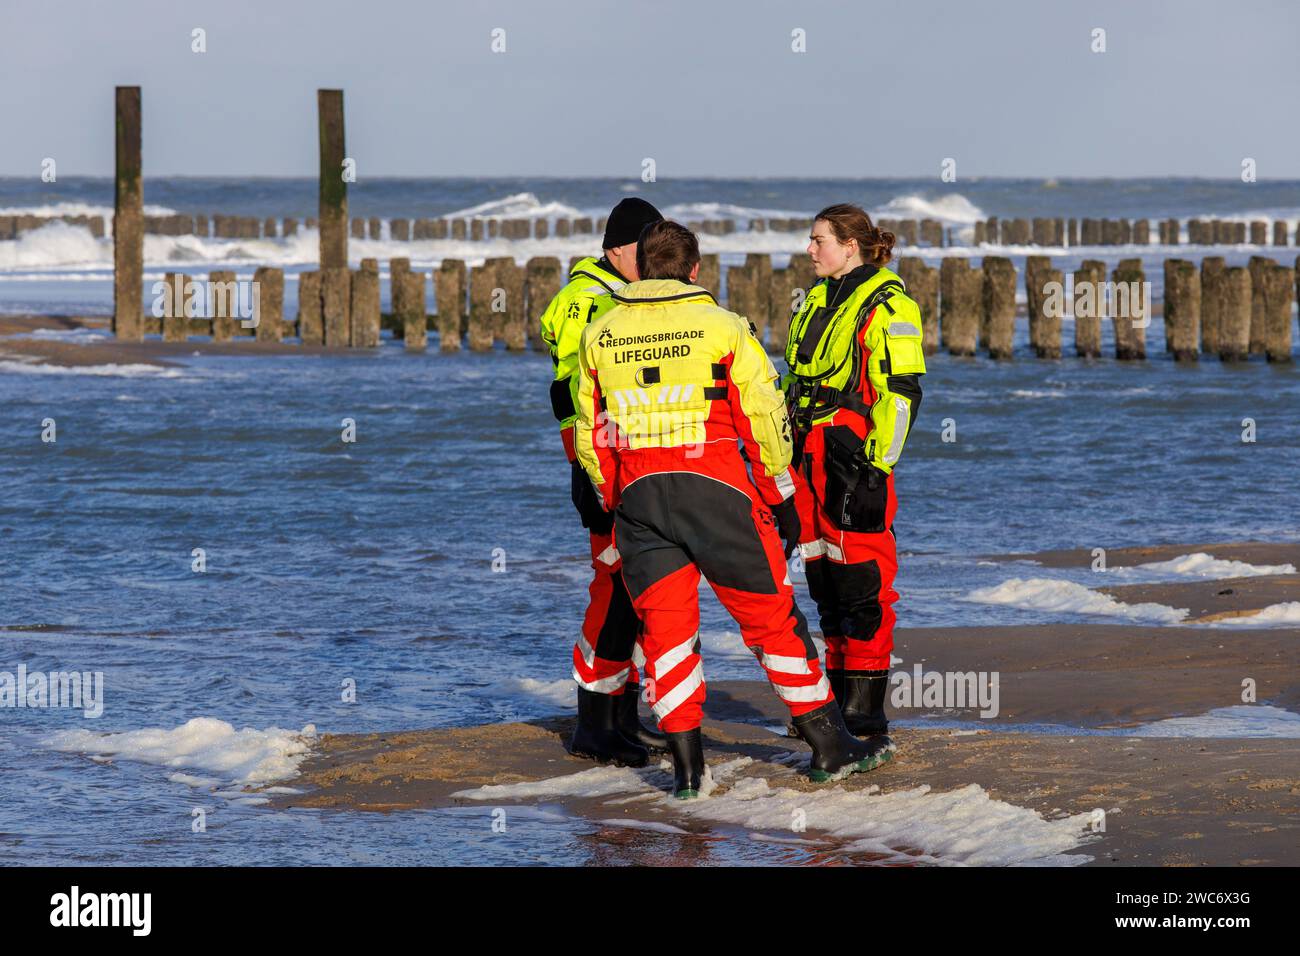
[687, 749]
[862, 701]
[596, 734]
[835, 751]
[836, 679]
[629, 722]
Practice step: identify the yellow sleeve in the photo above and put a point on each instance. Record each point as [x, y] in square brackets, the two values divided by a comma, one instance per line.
[759, 413]
[589, 436]
[896, 364]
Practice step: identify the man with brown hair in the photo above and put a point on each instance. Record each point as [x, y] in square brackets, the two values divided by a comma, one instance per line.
[669, 384]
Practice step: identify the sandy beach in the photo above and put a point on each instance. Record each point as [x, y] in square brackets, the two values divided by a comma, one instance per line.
[1057, 745]
[111, 352]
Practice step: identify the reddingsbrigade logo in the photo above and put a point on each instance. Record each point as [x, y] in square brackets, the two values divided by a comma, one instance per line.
[655, 352]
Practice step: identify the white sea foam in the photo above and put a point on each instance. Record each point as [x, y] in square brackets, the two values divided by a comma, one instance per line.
[204, 743]
[77, 209]
[1045, 594]
[516, 206]
[691, 211]
[596, 782]
[1202, 565]
[1242, 720]
[953, 208]
[959, 827]
[80, 335]
[1037, 393]
[651, 825]
[1286, 614]
[558, 693]
[57, 244]
[111, 370]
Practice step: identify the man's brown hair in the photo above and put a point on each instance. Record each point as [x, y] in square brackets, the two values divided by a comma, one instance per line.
[667, 250]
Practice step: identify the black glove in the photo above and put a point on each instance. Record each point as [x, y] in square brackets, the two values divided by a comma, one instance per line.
[590, 508]
[787, 524]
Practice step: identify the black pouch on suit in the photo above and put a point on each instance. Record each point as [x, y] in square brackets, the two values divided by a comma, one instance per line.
[856, 493]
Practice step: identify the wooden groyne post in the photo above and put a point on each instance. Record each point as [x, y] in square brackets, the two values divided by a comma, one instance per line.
[449, 288]
[1089, 307]
[961, 291]
[1130, 310]
[1278, 288]
[1235, 300]
[1182, 309]
[128, 221]
[998, 320]
[1212, 292]
[333, 188]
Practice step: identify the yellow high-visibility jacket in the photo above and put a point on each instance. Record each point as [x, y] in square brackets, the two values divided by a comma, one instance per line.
[667, 368]
[584, 298]
[863, 354]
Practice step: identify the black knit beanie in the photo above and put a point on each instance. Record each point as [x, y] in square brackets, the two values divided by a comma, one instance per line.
[626, 220]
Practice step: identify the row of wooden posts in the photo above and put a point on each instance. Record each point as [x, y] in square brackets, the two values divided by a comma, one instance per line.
[1070, 233]
[909, 232]
[1228, 312]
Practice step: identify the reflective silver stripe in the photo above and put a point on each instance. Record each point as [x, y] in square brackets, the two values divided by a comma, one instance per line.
[606, 685]
[813, 549]
[833, 551]
[900, 430]
[804, 695]
[903, 328]
[609, 556]
[670, 659]
[784, 483]
[677, 696]
[785, 665]
[585, 649]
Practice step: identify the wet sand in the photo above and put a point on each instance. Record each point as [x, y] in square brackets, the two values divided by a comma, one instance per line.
[1166, 801]
[1169, 801]
[1222, 599]
[110, 352]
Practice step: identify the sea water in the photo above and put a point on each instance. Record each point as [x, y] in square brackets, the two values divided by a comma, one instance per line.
[434, 565]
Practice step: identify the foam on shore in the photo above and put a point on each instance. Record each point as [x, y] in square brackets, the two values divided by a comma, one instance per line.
[1046, 594]
[1242, 720]
[959, 827]
[241, 756]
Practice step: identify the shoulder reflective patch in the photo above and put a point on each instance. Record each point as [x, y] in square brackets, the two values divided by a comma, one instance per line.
[903, 328]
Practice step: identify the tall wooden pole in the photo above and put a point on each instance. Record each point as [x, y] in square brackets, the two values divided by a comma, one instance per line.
[128, 221]
[333, 188]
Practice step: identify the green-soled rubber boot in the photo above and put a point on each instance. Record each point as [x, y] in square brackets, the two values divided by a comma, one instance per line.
[836, 753]
[687, 749]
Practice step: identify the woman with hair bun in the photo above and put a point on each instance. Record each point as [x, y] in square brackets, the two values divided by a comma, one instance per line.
[853, 391]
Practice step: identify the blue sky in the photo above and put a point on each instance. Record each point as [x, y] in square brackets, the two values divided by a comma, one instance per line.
[592, 87]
